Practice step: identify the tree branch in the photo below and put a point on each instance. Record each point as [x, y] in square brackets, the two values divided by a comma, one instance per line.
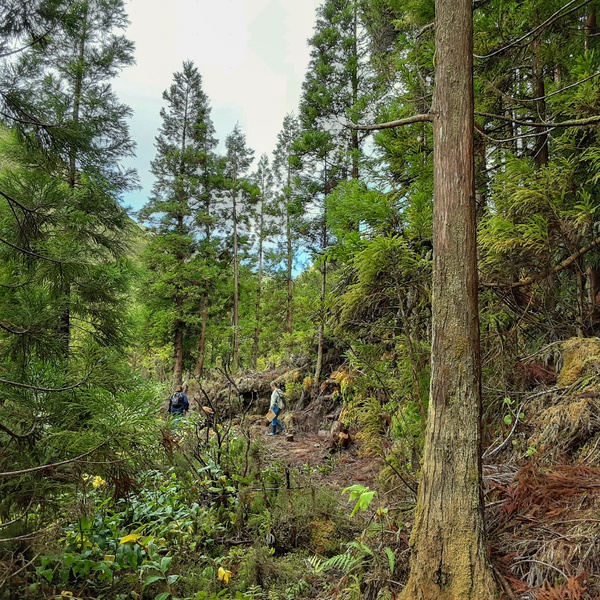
[554, 93]
[16, 436]
[565, 264]
[14, 331]
[30, 253]
[41, 389]
[567, 123]
[548, 21]
[17, 519]
[53, 465]
[481, 131]
[33, 42]
[11, 200]
[391, 124]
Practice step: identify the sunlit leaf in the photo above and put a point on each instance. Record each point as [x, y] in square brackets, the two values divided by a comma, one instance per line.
[132, 537]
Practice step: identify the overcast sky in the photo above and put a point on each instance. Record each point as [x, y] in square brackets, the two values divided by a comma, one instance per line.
[252, 55]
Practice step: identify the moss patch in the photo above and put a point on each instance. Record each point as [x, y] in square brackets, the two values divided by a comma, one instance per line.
[581, 358]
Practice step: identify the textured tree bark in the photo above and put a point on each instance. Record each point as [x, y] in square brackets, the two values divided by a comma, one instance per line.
[449, 559]
[591, 29]
[236, 288]
[178, 354]
[259, 290]
[289, 267]
[540, 155]
[199, 369]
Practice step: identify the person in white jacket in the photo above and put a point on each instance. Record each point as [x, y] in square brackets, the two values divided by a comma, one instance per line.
[276, 406]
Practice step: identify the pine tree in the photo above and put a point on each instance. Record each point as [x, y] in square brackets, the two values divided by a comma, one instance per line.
[339, 85]
[285, 169]
[238, 193]
[63, 240]
[263, 179]
[65, 82]
[181, 192]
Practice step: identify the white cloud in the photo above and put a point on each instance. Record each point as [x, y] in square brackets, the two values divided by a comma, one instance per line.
[252, 55]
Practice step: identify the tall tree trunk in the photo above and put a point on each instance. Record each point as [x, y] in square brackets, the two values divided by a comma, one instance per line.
[321, 334]
[236, 288]
[449, 556]
[64, 325]
[179, 326]
[178, 345]
[77, 91]
[539, 91]
[259, 290]
[289, 268]
[355, 144]
[199, 368]
[321, 340]
[591, 29]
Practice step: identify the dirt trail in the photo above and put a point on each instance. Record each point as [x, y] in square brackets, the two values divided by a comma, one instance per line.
[338, 470]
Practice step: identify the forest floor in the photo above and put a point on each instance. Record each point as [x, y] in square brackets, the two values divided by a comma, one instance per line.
[338, 469]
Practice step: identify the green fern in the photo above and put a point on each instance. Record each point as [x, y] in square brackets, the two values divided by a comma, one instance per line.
[354, 559]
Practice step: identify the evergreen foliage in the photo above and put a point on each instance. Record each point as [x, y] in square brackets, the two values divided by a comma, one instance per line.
[318, 260]
[182, 251]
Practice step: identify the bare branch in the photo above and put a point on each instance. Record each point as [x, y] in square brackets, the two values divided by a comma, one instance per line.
[425, 28]
[567, 87]
[525, 102]
[11, 200]
[27, 536]
[516, 137]
[391, 124]
[41, 389]
[33, 42]
[568, 123]
[11, 575]
[14, 331]
[17, 519]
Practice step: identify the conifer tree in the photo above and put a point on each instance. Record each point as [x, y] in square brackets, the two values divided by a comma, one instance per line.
[339, 84]
[238, 193]
[65, 276]
[182, 189]
[285, 169]
[65, 81]
[263, 179]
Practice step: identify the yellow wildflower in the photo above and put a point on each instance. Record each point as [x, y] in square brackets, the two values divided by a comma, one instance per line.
[97, 482]
[224, 575]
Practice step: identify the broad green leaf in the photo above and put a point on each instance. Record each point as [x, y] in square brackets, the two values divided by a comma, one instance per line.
[165, 563]
[152, 579]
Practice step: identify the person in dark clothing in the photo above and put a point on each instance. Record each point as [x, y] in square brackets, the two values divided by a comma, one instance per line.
[178, 403]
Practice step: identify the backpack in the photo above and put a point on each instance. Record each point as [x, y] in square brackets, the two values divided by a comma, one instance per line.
[280, 399]
[177, 400]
